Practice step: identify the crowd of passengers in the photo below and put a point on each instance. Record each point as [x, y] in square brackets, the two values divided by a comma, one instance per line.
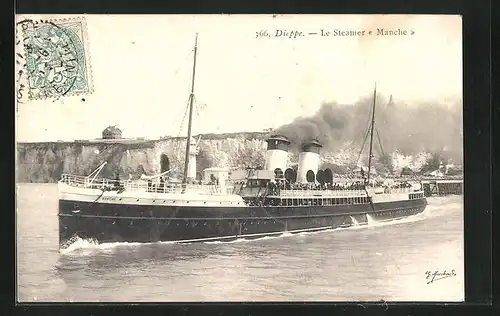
[357, 185]
[285, 185]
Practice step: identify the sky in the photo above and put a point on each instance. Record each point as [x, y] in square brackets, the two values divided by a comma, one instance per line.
[141, 69]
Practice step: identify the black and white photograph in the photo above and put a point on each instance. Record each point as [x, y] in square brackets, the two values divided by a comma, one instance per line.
[228, 158]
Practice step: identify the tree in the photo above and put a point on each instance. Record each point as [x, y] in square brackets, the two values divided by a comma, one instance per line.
[434, 162]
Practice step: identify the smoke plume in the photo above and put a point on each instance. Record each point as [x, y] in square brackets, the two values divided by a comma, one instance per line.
[405, 128]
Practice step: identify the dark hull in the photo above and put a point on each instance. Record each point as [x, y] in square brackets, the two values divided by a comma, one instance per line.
[145, 223]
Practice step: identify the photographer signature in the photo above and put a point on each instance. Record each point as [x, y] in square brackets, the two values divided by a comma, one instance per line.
[436, 275]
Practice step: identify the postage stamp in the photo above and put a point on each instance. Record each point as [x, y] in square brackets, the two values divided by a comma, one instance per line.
[54, 57]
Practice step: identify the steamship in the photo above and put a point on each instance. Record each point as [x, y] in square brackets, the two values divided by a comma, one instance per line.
[268, 202]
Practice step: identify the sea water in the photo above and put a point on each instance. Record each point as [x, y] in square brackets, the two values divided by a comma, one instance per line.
[379, 261]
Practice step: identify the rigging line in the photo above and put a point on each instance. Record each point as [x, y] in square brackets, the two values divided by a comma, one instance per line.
[177, 71]
[363, 145]
[379, 142]
[177, 143]
[366, 124]
[199, 106]
[196, 107]
[182, 121]
[184, 117]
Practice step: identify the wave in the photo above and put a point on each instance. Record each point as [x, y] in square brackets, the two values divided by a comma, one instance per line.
[82, 246]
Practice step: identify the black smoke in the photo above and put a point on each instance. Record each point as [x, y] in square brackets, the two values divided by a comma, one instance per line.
[406, 128]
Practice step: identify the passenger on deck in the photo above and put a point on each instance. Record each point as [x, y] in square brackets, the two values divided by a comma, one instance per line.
[212, 179]
[117, 181]
[160, 188]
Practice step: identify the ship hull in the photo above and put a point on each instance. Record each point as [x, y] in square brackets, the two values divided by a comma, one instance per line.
[107, 222]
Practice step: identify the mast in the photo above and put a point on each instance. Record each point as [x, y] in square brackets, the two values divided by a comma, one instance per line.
[371, 134]
[191, 100]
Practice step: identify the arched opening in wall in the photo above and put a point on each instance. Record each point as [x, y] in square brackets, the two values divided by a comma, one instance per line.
[278, 173]
[328, 175]
[164, 163]
[310, 176]
[290, 175]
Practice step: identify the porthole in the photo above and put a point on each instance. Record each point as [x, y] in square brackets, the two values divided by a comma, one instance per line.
[137, 200]
[164, 201]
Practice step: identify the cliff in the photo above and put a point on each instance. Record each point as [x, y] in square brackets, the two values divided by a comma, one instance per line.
[45, 162]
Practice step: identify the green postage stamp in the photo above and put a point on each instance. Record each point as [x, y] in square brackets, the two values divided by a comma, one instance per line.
[55, 61]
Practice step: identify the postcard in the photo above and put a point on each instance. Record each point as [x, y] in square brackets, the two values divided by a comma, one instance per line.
[167, 158]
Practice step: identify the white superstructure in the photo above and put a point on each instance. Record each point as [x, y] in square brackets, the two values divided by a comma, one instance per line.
[277, 153]
[308, 161]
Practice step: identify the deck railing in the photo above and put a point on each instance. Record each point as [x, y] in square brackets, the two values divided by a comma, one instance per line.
[211, 189]
[300, 192]
[129, 185]
[343, 192]
[403, 190]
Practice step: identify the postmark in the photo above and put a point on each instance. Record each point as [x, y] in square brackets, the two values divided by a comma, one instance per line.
[55, 61]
